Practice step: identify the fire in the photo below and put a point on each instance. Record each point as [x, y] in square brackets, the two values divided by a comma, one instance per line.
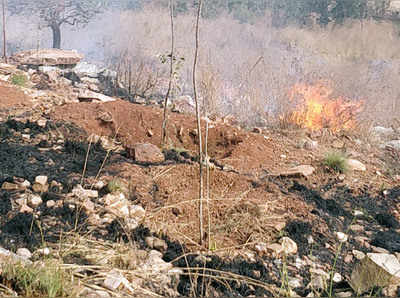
[317, 109]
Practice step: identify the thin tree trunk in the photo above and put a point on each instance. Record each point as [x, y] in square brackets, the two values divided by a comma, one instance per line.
[55, 28]
[171, 74]
[4, 32]
[196, 52]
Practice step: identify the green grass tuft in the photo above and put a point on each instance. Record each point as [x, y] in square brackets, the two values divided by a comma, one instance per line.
[336, 161]
[45, 280]
[19, 79]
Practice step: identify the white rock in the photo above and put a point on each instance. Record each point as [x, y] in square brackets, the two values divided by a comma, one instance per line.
[295, 283]
[99, 185]
[342, 237]
[10, 256]
[261, 247]
[43, 251]
[155, 263]
[42, 122]
[34, 201]
[42, 180]
[24, 252]
[356, 165]
[289, 246]
[80, 192]
[358, 213]
[376, 269]
[337, 277]
[358, 254]
[50, 204]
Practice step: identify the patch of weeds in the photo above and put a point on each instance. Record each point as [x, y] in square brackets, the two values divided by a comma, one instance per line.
[19, 80]
[39, 280]
[115, 185]
[336, 161]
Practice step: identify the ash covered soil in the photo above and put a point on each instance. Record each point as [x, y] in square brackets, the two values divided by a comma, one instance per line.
[253, 203]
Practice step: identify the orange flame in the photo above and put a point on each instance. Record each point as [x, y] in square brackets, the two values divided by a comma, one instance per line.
[318, 110]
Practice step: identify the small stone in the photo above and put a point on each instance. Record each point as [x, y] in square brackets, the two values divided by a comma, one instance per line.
[337, 277]
[358, 254]
[150, 133]
[99, 185]
[348, 258]
[146, 153]
[9, 186]
[34, 201]
[342, 237]
[283, 156]
[113, 280]
[25, 184]
[289, 246]
[42, 180]
[379, 250]
[344, 294]
[261, 247]
[160, 245]
[39, 188]
[43, 251]
[25, 209]
[295, 283]
[41, 122]
[310, 145]
[80, 192]
[279, 226]
[358, 213]
[276, 248]
[149, 241]
[317, 283]
[342, 177]
[88, 206]
[356, 165]
[155, 262]
[310, 239]
[357, 228]
[50, 204]
[386, 192]
[24, 252]
[26, 136]
[21, 201]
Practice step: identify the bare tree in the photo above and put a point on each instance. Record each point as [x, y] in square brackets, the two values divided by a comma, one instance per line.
[4, 31]
[55, 13]
[201, 159]
[171, 74]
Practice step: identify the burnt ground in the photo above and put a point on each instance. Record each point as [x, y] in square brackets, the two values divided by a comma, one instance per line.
[248, 199]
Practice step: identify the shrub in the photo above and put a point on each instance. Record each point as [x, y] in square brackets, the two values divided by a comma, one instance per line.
[36, 280]
[19, 79]
[336, 161]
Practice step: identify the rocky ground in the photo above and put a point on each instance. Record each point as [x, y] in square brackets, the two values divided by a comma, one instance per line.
[86, 189]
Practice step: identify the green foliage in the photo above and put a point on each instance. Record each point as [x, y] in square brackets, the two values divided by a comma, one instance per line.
[44, 280]
[19, 79]
[336, 161]
[115, 185]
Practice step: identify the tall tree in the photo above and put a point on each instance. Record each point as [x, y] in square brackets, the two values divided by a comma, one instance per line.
[55, 13]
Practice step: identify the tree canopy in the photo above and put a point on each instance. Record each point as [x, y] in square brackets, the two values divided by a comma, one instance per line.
[55, 13]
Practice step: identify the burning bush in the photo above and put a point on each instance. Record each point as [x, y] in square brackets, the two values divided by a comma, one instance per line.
[316, 109]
